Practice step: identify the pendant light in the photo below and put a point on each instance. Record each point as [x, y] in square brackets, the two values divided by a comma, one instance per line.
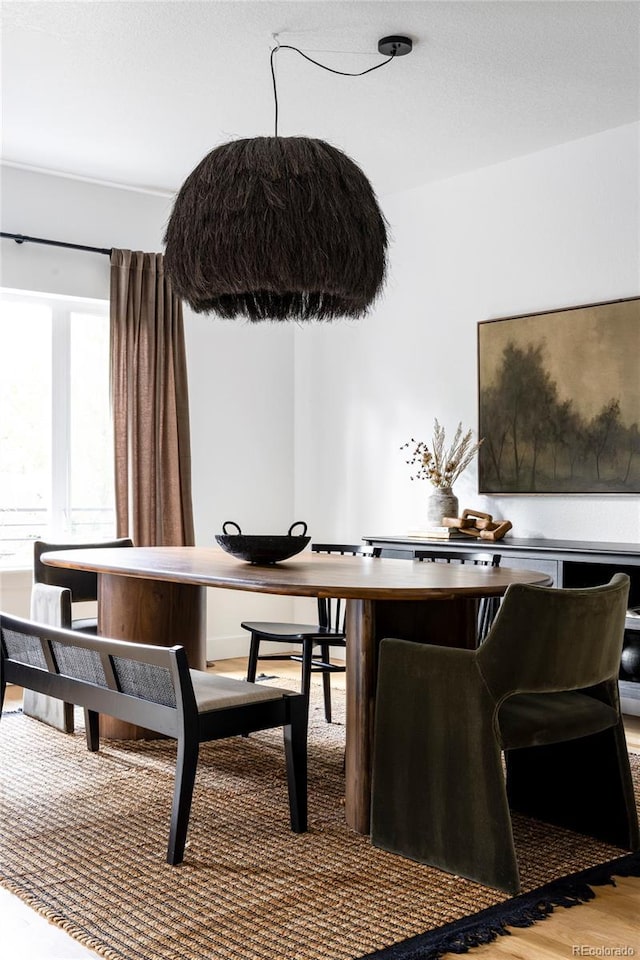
[279, 228]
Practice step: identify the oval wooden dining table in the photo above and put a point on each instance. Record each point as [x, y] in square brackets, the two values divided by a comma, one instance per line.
[157, 595]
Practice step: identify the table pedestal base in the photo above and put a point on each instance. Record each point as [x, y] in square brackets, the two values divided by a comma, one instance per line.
[151, 611]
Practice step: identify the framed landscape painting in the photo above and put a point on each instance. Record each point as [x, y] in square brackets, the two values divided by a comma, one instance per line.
[559, 401]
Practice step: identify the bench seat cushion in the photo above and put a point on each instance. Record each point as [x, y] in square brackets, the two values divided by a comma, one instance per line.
[214, 692]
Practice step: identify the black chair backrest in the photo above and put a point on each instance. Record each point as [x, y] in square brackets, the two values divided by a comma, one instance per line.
[330, 612]
[82, 583]
[459, 556]
[138, 683]
[488, 606]
[350, 549]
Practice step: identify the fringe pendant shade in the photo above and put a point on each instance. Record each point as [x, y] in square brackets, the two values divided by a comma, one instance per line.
[277, 228]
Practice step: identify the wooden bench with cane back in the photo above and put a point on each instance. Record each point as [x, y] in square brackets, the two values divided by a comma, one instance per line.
[153, 686]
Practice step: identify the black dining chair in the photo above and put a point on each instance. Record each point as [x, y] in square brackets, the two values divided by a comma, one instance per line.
[54, 592]
[316, 639]
[83, 584]
[488, 606]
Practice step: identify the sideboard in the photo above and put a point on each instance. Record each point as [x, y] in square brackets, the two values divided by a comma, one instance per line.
[571, 563]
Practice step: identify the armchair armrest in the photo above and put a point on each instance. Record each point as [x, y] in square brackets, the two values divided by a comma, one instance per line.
[429, 699]
[436, 759]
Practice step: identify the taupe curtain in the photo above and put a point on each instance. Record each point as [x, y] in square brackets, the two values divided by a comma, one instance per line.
[150, 404]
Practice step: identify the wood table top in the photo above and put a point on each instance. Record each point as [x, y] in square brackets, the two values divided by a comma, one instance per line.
[306, 575]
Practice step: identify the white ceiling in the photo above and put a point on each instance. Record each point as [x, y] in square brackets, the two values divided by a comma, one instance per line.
[137, 92]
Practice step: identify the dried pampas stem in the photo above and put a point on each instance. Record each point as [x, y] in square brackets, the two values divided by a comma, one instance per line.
[277, 228]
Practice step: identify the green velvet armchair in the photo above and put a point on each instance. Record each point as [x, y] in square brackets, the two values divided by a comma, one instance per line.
[543, 690]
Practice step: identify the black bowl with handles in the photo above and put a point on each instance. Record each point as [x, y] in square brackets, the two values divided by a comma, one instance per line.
[262, 549]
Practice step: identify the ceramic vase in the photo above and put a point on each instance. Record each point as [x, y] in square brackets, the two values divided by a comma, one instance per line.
[441, 503]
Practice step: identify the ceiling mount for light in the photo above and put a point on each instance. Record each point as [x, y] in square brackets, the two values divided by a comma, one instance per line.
[395, 46]
[279, 228]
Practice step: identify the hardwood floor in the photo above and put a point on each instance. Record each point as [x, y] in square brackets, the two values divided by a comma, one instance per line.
[593, 929]
[608, 923]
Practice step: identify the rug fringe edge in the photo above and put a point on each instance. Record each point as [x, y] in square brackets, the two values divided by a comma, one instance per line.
[526, 910]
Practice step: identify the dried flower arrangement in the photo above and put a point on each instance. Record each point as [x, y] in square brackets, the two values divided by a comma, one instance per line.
[440, 467]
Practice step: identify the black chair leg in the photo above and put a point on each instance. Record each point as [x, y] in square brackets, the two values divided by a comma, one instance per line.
[326, 682]
[295, 747]
[483, 620]
[488, 609]
[92, 729]
[307, 660]
[186, 764]
[252, 662]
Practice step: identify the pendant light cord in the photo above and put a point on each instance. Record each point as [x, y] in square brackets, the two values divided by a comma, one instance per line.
[342, 73]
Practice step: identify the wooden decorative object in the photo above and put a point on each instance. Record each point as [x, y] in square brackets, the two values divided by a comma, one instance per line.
[474, 523]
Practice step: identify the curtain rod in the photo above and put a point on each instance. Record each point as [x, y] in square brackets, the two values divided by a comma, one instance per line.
[19, 238]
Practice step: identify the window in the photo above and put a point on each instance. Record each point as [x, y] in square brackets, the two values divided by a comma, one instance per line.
[56, 450]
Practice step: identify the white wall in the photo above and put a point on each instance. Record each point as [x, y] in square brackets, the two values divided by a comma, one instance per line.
[240, 378]
[554, 229]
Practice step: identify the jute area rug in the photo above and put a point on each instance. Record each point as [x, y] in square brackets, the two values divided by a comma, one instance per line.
[84, 836]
